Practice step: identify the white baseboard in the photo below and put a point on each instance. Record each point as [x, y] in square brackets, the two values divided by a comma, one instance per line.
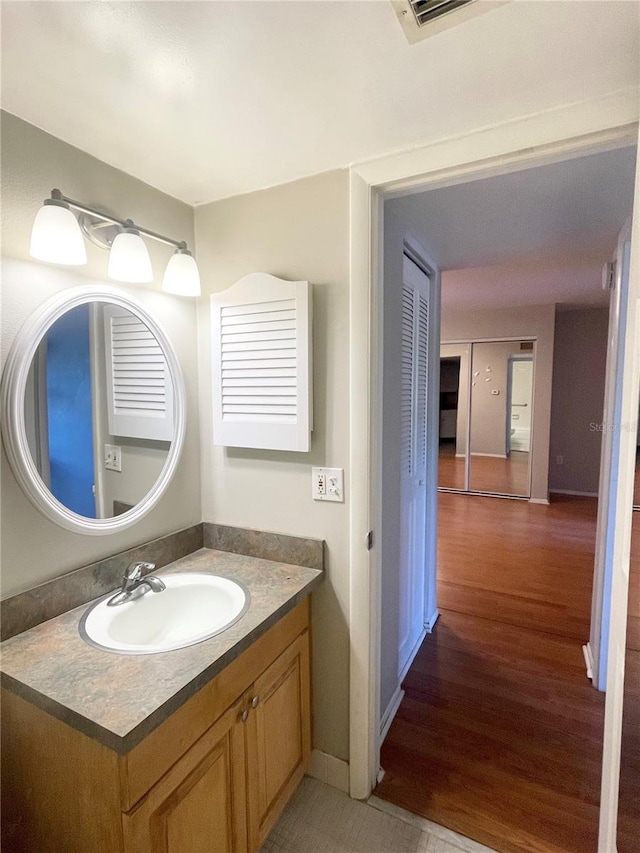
[542, 501]
[491, 455]
[330, 770]
[588, 660]
[431, 621]
[577, 494]
[389, 714]
[412, 654]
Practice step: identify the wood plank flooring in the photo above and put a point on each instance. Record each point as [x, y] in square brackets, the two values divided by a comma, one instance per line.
[508, 476]
[499, 735]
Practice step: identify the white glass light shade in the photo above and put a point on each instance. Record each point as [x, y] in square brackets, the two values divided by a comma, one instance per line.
[181, 275]
[129, 258]
[56, 236]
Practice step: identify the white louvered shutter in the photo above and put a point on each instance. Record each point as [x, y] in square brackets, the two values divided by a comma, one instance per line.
[261, 330]
[406, 380]
[139, 387]
[421, 356]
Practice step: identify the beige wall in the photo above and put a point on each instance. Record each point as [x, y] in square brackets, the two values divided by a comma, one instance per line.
[296, 231]
[579, 364]
[532, 321]
[33, 548]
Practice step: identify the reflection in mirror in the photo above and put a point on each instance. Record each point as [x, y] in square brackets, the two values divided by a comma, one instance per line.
[501, 417]
[454, 392]
[98, 409]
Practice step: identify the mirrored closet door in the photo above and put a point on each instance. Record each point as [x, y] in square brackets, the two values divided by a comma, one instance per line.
[486, 417]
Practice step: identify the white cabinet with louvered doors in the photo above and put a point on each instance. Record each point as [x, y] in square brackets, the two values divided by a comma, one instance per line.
[261, 356]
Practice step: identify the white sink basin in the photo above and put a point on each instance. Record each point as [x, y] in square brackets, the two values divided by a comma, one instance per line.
[192, 608]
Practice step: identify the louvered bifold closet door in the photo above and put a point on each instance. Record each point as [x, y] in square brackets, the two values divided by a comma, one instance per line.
[406, 383]
[139, 387]
[261, 364]
[414, 352]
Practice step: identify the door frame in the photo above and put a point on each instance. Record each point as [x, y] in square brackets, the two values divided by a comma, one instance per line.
[593, 126]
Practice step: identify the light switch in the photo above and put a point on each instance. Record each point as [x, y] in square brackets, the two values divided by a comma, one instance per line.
[328, 484]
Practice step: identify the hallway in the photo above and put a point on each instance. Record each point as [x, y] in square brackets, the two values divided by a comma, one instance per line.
[499, 735]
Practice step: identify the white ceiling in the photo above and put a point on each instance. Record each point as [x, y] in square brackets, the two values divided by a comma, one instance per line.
[209, 99]
[531, 237]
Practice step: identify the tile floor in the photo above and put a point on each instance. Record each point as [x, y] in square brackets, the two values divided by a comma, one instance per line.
[321, 819]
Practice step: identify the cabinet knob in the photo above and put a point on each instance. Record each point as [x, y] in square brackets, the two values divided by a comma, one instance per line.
[245, 715]
[255, 701]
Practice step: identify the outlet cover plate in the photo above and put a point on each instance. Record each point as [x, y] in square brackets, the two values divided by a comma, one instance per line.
[112, 457]
[328, 484]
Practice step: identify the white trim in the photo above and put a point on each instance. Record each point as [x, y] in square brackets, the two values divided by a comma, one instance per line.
[593, 125]
[14, 382]
[628, 413]
[329, 769]
[364, 580]
[588, 660]
[389, 714]
[412, 655]
[492, 455]
[570, 492]
[541, 501]
[431, 621]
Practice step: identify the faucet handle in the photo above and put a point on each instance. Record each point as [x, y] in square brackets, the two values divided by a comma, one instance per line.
[136, 570]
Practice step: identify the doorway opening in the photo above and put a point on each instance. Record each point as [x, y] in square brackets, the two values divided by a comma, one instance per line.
[466, 725]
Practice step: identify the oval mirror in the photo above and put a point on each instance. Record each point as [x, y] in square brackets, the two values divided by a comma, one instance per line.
[93, 410]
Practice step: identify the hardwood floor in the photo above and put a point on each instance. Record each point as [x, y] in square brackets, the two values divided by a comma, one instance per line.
[517, 562]
[499, 736]
[509, 476]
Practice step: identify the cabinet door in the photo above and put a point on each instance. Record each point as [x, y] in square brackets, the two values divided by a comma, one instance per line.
[199, 806]
[278, 737]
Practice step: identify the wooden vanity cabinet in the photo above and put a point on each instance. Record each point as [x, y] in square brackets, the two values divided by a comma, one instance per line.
[212, 778]
[200, 804]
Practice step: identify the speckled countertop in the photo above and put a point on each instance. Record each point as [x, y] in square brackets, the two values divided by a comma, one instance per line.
[119, 699]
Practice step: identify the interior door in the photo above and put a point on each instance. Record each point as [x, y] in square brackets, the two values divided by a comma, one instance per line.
[413, 475]
[613, 538]
[610, 501]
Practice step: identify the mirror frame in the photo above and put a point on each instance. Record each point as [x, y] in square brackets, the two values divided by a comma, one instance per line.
[12, 397]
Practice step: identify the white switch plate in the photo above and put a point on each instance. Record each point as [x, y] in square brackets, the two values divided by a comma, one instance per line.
[112, 457]
[327, 484]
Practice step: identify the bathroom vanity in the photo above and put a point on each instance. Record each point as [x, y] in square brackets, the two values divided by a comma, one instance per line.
[191, 751]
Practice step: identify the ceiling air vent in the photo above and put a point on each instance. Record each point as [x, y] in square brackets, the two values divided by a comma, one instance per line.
[420, 19]
[429, 10]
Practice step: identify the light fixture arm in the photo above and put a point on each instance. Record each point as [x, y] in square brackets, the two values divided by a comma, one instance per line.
[57, 195]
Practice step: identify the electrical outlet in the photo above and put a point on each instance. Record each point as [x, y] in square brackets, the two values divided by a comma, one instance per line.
[328, 484]
[559, 460]
[112, 457]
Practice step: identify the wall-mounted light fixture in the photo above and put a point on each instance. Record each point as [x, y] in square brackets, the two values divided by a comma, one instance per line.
[57, 237]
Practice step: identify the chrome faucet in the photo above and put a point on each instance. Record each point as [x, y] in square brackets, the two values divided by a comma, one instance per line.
[135, 584]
